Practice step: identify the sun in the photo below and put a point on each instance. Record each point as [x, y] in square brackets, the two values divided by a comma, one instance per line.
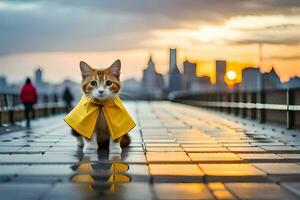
[231, 75]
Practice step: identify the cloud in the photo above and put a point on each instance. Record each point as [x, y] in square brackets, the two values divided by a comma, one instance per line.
[17, 6]
[106, 25]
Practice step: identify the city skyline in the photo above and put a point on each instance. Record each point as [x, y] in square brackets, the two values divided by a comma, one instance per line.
[155, 85]
[238, 67]
[202, 32]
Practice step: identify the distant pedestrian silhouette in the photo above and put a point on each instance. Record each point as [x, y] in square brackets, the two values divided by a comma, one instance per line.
[28, 97]
[68, 98]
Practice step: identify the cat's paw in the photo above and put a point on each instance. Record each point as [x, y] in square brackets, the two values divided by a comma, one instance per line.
[90, 148]
[115, 150]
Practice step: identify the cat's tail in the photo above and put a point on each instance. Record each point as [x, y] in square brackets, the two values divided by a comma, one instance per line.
[75, 133]
[125, 141]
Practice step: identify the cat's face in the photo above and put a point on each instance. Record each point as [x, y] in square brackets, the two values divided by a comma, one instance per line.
[101, 84]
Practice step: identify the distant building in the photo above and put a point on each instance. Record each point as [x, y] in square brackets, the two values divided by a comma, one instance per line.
[3, 83]
[251, 79]
[204, 84]
[189, 75]
[174, 75]
[38, 77]
[131, 89]
[173, 59]
[294, 82]
[220, 74]
[271, 80]
[152, 85]
[151, 79]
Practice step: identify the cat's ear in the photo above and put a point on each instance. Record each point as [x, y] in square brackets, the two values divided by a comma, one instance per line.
[115, 68]
[85, 69]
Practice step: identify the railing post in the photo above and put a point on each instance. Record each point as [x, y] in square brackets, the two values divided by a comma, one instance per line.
[2, 103]
[220, 99]
[244, 100]
[236, 100]
[261, 112]
[1, 123]
[10, 108]
[290, 116]
[45, 102]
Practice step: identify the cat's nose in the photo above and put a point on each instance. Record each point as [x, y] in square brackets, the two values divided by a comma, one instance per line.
[100, 91]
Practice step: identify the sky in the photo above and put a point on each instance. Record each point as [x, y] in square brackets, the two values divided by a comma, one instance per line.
[58, 34]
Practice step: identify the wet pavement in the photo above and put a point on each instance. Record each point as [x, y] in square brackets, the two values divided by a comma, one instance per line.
[177, 152]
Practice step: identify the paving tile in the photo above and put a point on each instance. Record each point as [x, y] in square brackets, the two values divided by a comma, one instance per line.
[138, 169]
[290, 156]
[12, 169]
[246, 149]
[237, 145]
[33, 149]
[162, 145]
[55, 159]
[166, 157]
[134, 158]
[216, 186]
[48, 170]
[213, 157]
[181, 191]
[130, 191]
[259, 156]
[9, 149]
[293, 187]
[30, 191]
[19, 158]
[71, 191]
[223, 195]
[230, 170]
[280, 148]
[175, 169]
[279, 168]
[164, 149]
[206, 149]
[211, 145]
[170, 140]
[255, 191]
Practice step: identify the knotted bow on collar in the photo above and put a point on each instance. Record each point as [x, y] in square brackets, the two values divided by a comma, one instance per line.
[84, 116]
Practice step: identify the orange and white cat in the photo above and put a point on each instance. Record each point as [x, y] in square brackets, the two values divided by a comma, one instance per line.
[101, 85]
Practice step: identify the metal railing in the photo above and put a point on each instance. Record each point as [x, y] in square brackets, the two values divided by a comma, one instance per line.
[278, 106]
[12, 110]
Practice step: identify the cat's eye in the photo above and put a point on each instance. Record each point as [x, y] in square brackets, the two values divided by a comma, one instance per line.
[93, 83]
[108, 83]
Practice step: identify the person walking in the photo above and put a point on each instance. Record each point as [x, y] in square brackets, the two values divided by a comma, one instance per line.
[28, 97]
[68, 98]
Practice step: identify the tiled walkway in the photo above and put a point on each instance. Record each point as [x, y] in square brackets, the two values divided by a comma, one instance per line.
[177, 152]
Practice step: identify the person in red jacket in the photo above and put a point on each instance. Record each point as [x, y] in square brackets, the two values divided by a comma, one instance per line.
[28, 97]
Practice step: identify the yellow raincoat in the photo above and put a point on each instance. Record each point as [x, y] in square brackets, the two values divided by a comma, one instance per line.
[84, 116]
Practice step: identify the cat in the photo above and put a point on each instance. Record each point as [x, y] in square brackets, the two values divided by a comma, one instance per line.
[101, 85]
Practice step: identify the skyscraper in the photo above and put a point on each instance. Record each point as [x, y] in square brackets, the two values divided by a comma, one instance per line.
[189, 74]
[251, 78]
[39, 77]
[151, 79]
[220, 74]
[173, 59]
[174, 75]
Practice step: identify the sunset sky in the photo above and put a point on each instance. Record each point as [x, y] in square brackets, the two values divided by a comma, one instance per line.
[57, 34]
